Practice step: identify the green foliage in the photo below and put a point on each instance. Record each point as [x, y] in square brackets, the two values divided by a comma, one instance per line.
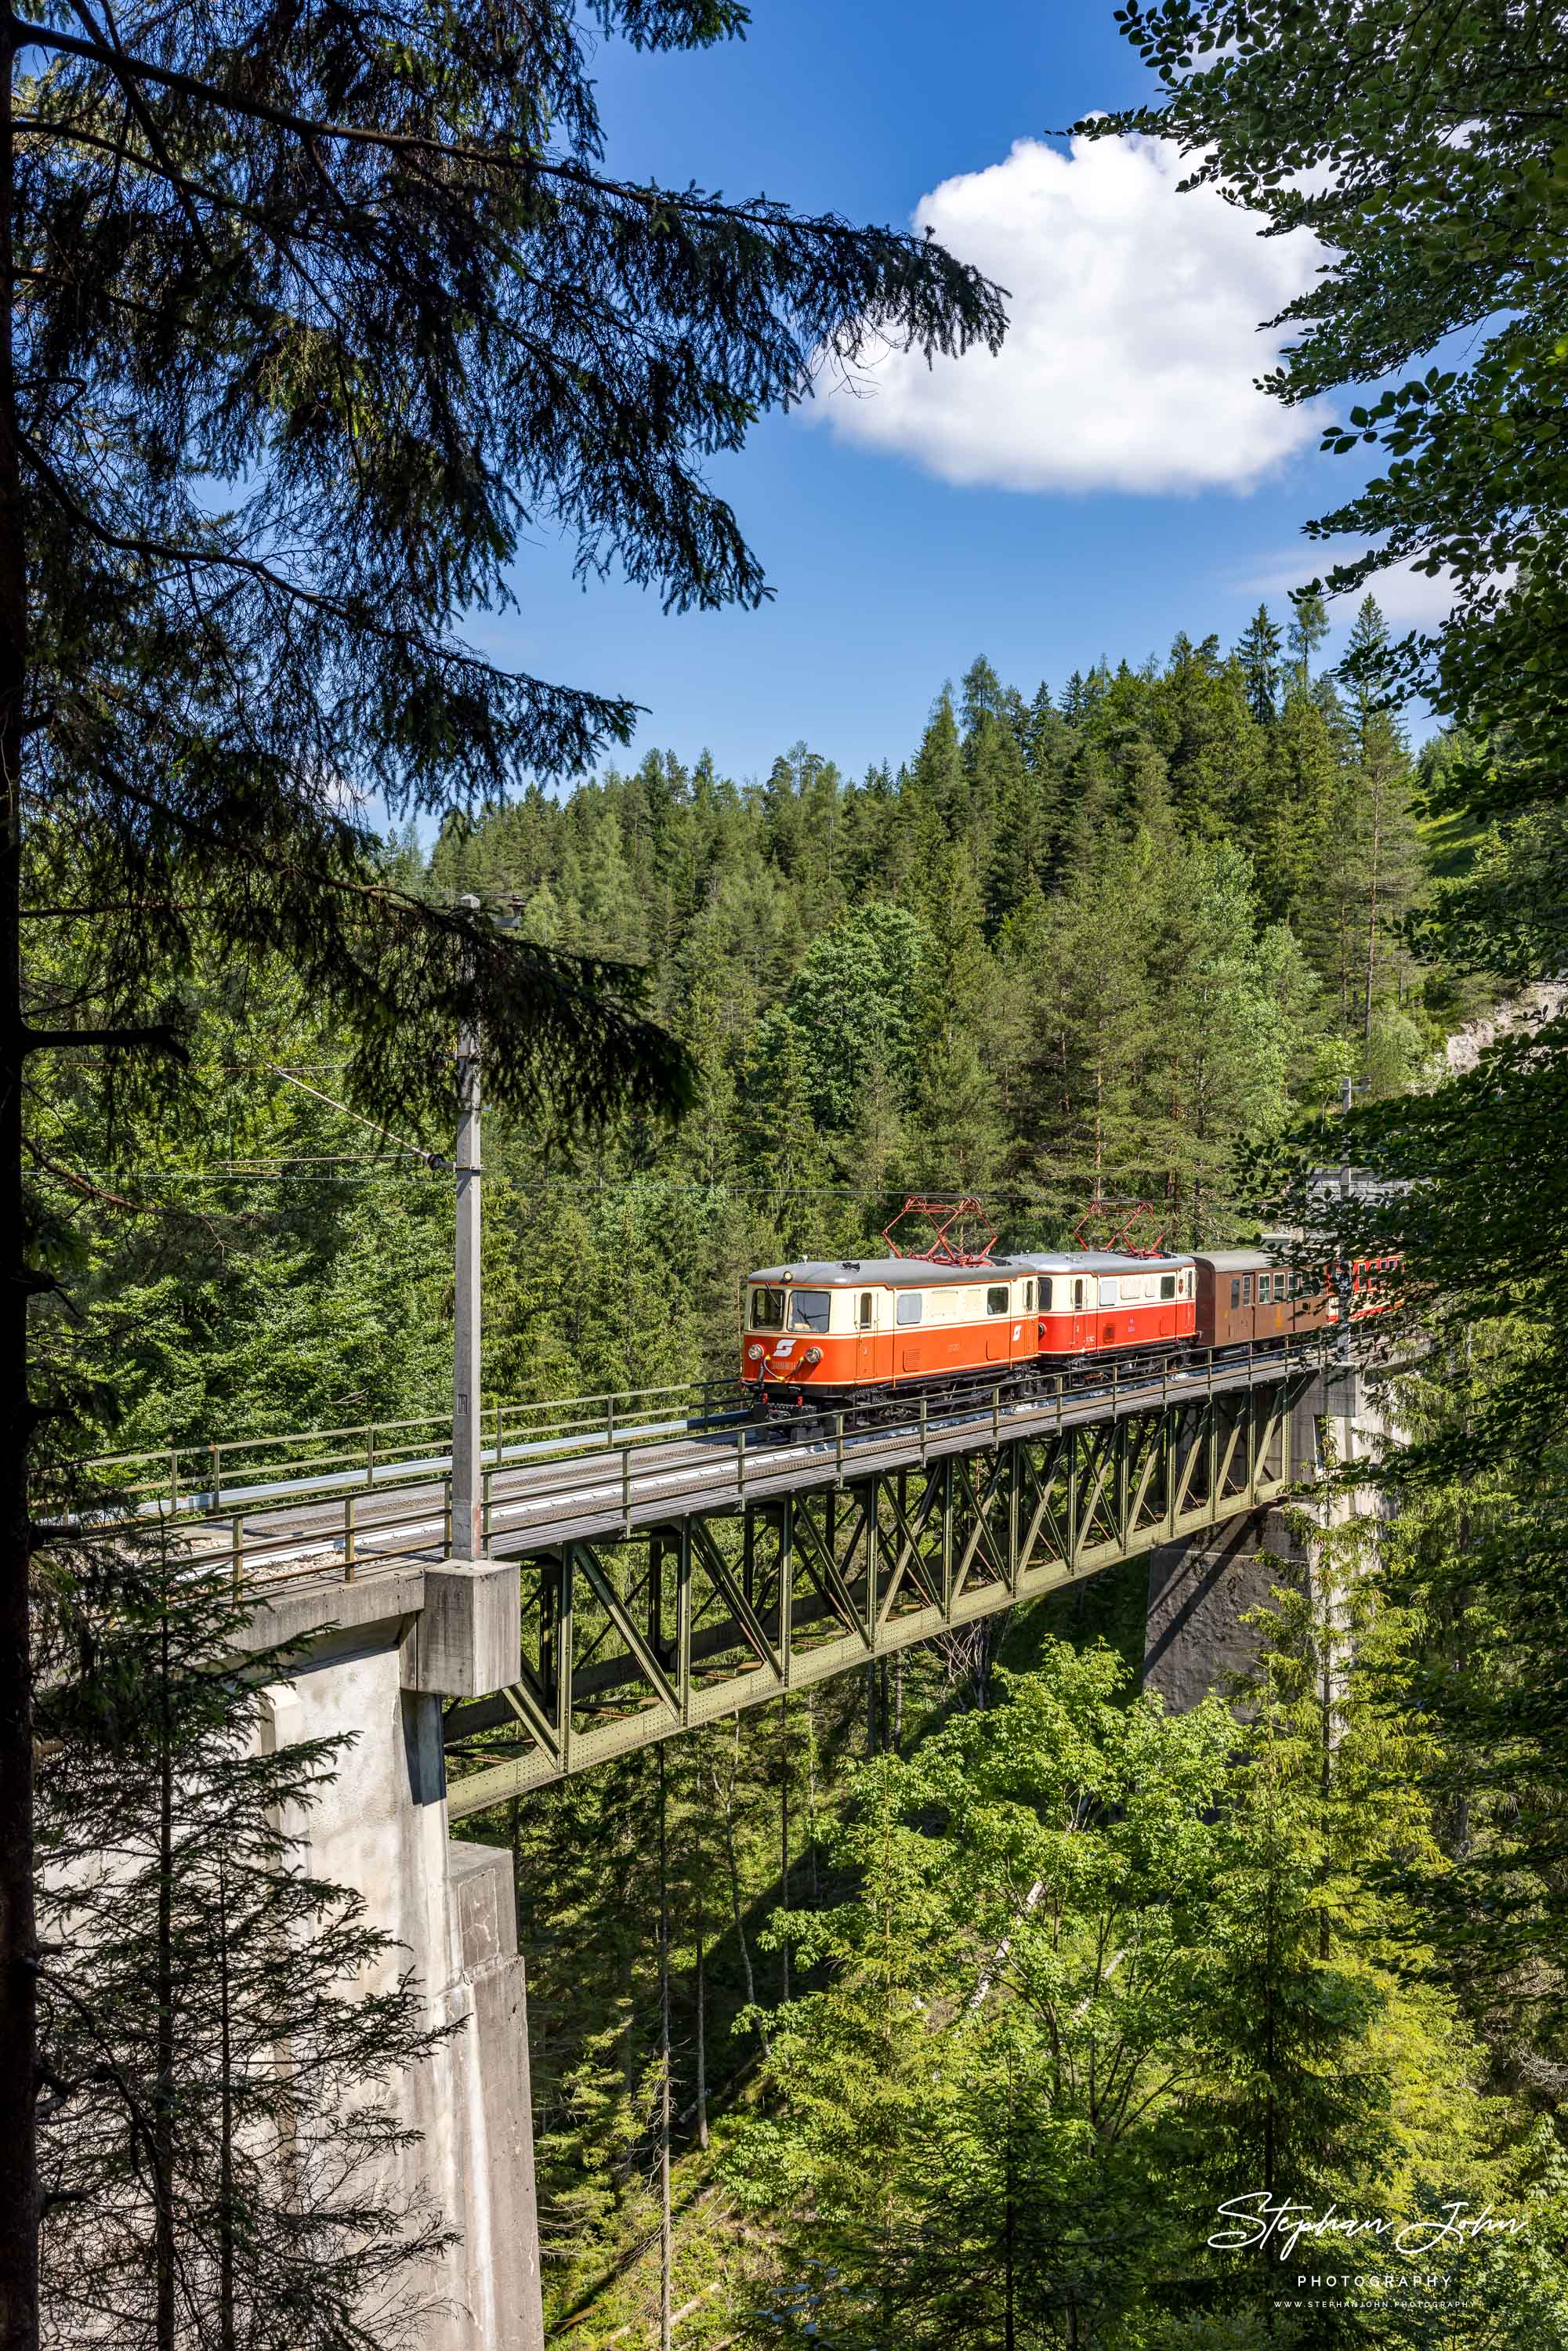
[198, 2188]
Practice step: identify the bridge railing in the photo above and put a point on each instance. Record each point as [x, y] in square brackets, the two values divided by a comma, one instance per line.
[246, 1472]
[365, 1496]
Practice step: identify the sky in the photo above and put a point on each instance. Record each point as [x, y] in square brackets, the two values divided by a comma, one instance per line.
[1114, 477]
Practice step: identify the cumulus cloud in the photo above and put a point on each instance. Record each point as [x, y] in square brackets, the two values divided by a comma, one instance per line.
[1130, 361]
[1408, 599]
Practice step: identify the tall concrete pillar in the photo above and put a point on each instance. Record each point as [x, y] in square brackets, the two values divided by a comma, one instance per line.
[1201, 1589]
[379, 1657]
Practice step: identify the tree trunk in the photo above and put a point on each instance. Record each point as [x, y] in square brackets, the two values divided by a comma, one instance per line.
[226, 2336]
[1371, 902]
[18, 1926]
[702, 2025]
[812, 1794]
[784, 1845]
[729, 1810]
[664, 2244]
[164, 2250]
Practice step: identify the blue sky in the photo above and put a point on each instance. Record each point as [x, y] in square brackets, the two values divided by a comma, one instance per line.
[1121, 482]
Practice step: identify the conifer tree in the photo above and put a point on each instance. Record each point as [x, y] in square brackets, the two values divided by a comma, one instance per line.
[226, 2037]
[1258, 654]
[303, 330]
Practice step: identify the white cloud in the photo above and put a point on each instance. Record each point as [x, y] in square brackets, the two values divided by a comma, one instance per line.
[1408, 599]
[1130, 360]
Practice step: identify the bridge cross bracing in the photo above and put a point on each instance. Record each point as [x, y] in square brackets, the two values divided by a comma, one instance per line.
[677, 1563]
[849, 1553]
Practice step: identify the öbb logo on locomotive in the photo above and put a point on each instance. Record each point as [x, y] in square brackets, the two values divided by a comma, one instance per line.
[843, 1331]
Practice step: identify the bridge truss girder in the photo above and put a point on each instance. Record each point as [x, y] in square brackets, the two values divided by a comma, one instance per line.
[680, 1622]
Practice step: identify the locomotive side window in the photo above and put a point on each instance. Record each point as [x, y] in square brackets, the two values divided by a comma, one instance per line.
[996, 1299]
[1109, 1294]
[809, 1308]
[1078, 1294]
[1247, 1290]
[1028, 1298]
[768, 1310]
[1236, 1293]
[1168, 1285]
[1265, 1288]
[1045, 1295]
[909, 1306]
[866, 1310]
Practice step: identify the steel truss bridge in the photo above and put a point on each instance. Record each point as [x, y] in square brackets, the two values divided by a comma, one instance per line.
[677, 1562]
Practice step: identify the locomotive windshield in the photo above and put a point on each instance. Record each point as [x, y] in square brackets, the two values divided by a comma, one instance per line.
[767, 1309]
[809, 1308]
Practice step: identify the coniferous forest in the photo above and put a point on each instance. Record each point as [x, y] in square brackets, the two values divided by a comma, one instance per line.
[975, 1999]
[1125, 938]
[1115, 940]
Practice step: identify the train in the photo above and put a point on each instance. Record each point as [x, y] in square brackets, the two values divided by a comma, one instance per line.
[839, 1333]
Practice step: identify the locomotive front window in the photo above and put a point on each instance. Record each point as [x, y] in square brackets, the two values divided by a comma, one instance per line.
[909, 1306]
[768, 1310]
[997, 1300]
[1168, 1285]
[809, 1308]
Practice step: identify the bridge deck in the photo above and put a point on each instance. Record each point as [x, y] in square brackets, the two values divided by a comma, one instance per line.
[668, 1575]
[396, 1514]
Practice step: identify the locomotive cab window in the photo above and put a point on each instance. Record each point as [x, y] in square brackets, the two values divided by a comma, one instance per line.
[809, 1308]
[865, 1311]
[1168, 1285]
[996, 1299]
[909, 1306]
[768, 1310]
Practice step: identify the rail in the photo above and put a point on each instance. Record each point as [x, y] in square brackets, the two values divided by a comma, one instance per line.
[366, 1496]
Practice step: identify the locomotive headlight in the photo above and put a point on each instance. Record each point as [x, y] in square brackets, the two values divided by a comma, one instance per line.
[813, 1355]
[753, 1354]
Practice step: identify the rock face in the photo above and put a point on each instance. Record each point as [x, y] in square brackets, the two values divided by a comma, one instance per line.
[1202, 1589]
[1465, 1047]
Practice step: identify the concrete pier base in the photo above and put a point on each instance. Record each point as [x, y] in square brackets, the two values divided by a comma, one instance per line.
[369, 1660]
[1200, 1593]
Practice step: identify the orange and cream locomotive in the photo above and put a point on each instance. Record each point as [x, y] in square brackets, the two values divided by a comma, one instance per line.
[832, 1330]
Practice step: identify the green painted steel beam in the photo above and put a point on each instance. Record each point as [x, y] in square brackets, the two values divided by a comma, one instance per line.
[771, 1593]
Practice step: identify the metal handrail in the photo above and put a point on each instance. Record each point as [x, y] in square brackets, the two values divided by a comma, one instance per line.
[194, 1481]
[271, 1554]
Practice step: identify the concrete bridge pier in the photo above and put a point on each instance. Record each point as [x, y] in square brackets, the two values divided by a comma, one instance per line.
[380, 1659]
[1201, 1588]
